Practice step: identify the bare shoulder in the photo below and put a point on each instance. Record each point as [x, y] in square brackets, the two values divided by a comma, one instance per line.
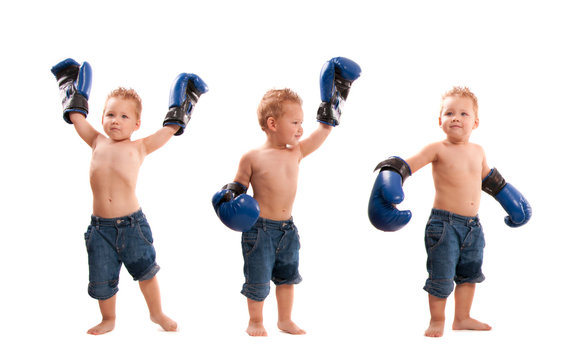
[250, 156]
[477, 147]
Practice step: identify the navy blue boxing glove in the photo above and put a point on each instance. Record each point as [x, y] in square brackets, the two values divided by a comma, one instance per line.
[74, 86]
[235, 208]
[387, 193]
[183, 95]
[518, 209]
[335, 81]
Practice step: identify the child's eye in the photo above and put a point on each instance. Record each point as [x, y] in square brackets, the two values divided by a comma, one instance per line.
[124, 116]
[109, 114]
[464, 114]
[449, 113]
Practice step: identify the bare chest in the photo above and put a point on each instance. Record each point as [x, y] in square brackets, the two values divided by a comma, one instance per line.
[459, 162]
[275, 168]
[115, 162]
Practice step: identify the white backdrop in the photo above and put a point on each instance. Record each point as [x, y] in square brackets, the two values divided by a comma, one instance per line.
[362, 293]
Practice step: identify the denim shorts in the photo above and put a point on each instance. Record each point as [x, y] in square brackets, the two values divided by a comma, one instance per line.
[455, 246]
[111, 242]
[271, 252]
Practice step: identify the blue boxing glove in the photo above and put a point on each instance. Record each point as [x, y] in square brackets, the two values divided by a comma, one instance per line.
[234, 208]
[183, 95]
[335, 80]
[74, 86]
[386, 193]
[518, 209]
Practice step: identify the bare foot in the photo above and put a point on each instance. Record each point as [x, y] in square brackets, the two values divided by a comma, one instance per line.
[166, 323]
[256, 329]
[102, 328]
[435, 329]
[470, 324]
[290, 327]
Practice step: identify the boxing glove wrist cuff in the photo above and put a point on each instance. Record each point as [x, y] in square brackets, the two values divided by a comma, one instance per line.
[396, 164]
[176, 116]
[327, 114]
[493, 182]
[236, 187]
[76, 103]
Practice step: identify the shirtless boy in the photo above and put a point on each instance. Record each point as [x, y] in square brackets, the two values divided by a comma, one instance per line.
[270, 242]
[454, 237]
[119, 232]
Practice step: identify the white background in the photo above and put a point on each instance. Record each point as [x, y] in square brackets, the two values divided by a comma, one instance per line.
[362, 293]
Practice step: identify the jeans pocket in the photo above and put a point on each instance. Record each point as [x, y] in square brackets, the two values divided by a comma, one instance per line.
[434, 234]
[249, 241]
[87, 236]
[145, 232]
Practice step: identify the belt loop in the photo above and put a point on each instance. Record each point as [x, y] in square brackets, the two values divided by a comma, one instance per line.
[132, 219]
[97, 223]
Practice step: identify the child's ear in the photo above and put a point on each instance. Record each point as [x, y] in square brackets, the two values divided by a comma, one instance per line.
[440, 122]
[476, 123]
[272, 123]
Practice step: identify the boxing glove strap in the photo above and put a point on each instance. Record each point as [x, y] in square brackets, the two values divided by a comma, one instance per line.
[397, 164]
[236, 188]
[493, 182]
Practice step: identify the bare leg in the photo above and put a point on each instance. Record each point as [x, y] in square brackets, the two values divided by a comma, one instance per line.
[437, 322]
[464, 295]
[256, 323]
[150, 289]
[108, 311]
[284, 295]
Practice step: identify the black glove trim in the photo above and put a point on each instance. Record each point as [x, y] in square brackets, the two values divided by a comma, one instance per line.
[396, 164]
[493, 183]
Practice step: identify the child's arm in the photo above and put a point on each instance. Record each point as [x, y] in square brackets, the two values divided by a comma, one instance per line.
[158, 139]
[84, 128]
[315, 140]
[335, 81]
[233, 206]
[75, 86]
[244, 172]
[427, 155]
[388, 192]
[183, 95]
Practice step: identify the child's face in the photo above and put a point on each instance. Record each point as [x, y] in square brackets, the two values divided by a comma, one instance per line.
[458, 118]
[289, 125]
[119, 119]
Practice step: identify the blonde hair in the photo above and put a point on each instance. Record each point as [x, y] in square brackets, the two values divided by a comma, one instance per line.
[271, 104]
[126, 94]
[461, 91]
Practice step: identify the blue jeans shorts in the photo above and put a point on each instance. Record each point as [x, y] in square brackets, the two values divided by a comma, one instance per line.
[111, 242]
[271, 252]
[455, 246]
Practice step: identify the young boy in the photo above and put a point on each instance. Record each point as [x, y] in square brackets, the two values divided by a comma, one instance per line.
[454, 238]
[270, 242]
[119, 232]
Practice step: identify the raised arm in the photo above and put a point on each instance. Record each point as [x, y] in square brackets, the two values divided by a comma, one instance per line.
[74, 87]
[183, 95]
[84, 128]
[335, 80]
[315, 140]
